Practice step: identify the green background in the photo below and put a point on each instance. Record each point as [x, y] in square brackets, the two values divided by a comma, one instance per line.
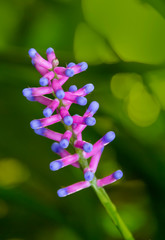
[123, 43]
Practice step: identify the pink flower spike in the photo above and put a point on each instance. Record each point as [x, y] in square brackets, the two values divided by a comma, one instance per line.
[95, 161]
[68, 120]
[90, 121]
[28, 92]
[48, 134]
[41, 99]
[38, 59]
[75, 99]
[58, 89]
[63, 162]
[64, 143]
[44, 122]
[63, 153]
[45, 80]
[73, 188]
[85, 146]
[110, 179]
[40, 69]
[62, 79]
[48, 111]
[50, 54]
[92, 109]
[88, 88]
[107, 138]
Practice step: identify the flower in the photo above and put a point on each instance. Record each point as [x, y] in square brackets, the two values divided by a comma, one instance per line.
[57, 110]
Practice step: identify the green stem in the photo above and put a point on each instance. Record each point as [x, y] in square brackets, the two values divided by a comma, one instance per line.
[100, 192]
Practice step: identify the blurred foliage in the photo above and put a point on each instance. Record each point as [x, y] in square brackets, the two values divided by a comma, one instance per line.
[123, 42]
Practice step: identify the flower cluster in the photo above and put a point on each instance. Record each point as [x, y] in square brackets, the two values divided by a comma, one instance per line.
[52, 81]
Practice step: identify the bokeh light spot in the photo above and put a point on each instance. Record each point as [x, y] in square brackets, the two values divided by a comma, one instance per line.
[121, 83]
[143, 108]
[12, 172]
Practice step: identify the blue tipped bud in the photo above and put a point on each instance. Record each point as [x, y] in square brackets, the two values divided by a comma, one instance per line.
[56, 165]
[87, 147]
[69, 72]
[90, 121]
[81, 101]
[68, 120]
[93, 107]
[64, 143]
[31, 98]
[34, 124]
[60, 94]
[43, 81]
[71, 64]
[49, 50]
[89, 88]
[73, 88]
[56, 147]
[32, 52]
[118, 174]
[83, 65]
[108, 137]
[62, 192]
[88, 176]
[27, 92]
[47, 112]
[40, 131]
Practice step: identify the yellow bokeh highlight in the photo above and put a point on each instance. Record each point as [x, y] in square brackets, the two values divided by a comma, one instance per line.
[143, 108]
[12, 172]
[122, 83]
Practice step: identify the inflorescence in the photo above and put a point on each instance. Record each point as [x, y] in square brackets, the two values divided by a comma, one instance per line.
[52, 81]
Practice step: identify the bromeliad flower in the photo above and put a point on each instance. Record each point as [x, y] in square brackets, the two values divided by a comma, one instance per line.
[57, 110]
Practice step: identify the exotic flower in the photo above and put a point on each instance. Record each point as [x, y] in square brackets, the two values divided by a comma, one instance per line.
[57, 110]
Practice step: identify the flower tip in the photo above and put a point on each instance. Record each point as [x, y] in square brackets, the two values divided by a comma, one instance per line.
[64, 143]
[27, 92]
[56, 147]
[43, 81]
[87, 147]
[93, 107]
[40, 131]
[71, 64]
[31, 98]
[69, 72]
[73, 88]
[81, 101]
[83, 65]
[56, 165]
[47, 112]
[34, 124]
[88, 176]
[68, 120]
[89, 88]
[60, 94]
[32, 52]
[118, 174]
[62, 192]
[90, 121]
[49, 50]
[109, 137]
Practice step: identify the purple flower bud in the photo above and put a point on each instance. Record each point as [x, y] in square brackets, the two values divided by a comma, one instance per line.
[47, 112]
[71, 64]
[89, 176]
[27, 92]
[49, 50]
[62, 192]
[60, 94]
[34, 124]
[118, 174]
[73, 88]
[43, 81]
[83, 65]
[32, 52]
[81, 101]
[69, 72]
